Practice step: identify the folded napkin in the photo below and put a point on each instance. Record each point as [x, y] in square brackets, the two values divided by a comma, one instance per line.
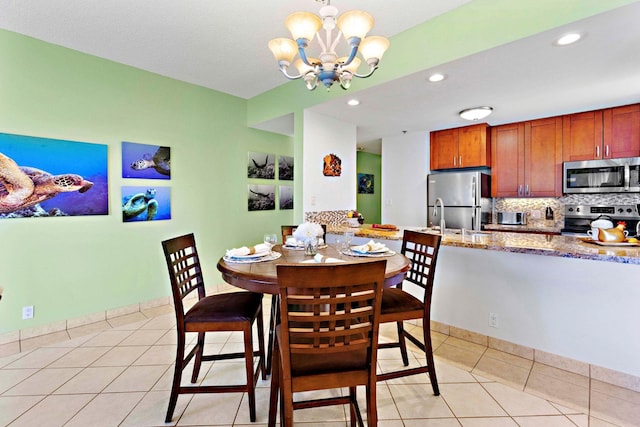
[319, 258]
[243, 251]
[370, 246]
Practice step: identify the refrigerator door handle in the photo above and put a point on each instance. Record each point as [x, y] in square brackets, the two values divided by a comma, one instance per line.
[474, 186]
[473, 219]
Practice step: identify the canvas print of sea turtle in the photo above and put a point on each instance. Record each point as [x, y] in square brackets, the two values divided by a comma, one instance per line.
[23, 186]
[145, 161]
[42, 177]
[145, 203]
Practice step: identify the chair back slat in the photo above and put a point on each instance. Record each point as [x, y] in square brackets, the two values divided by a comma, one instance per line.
[422, 250]
[184, 269]
[330, 309]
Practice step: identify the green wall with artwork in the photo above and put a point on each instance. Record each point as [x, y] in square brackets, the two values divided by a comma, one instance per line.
[70, 267]
[368, 204]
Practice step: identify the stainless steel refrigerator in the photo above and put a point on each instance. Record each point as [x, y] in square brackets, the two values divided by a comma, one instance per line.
[466, 197]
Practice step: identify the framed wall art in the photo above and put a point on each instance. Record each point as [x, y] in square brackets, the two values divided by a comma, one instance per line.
[42, 177]
[145, 203]
[145, 161]
[285, 168]
[261, 165]
[286, 197]
[365, 183]
[261, 197]
[332, 165]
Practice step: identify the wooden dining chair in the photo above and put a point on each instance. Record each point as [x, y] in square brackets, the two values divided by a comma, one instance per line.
[287, 230]
[327, 337]
[399, 306]
[235, 311]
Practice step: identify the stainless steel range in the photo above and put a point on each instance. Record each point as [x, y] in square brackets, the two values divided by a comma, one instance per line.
[577, 218]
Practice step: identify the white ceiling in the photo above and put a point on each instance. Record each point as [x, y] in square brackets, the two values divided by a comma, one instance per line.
[222, 45]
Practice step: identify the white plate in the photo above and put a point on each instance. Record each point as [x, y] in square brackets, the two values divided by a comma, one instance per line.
[379, 251]
[268, 257]
[250, 256]
[369, 254]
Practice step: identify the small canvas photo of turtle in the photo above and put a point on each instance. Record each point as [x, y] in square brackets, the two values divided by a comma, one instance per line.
[145, 161]
[146, 203]
[42, 177]
[261, 165]
[261, 197]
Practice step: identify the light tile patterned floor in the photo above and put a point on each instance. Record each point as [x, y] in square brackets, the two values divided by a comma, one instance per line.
[119, 374]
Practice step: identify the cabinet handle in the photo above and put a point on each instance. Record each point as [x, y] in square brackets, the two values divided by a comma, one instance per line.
[520, 190]
[460, 161]
[597, 151]
[526, 190]
[454, 161]
[606, 151]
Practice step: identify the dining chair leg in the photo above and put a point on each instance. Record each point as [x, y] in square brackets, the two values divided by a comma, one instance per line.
[248, 357]
[372, 408]
[273, 322]
[275, 389]
[353, 406]
[428, 351]
[177, 379]
[402, 343]
[198, 360]
[261, 359]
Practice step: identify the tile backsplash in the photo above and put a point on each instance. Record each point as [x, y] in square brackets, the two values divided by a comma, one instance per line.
[535, 207]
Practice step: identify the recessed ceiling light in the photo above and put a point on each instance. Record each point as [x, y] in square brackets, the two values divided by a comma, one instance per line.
[437, 77]
[568, 39]
[475, 113]
[353, 102]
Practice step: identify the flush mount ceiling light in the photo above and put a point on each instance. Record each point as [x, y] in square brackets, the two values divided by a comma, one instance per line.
[353, 102]
[568, 39]
[328, 68]
[475, 113]
[437, 77]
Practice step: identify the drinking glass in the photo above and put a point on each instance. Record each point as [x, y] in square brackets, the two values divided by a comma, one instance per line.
[270, 239]
[348, 237]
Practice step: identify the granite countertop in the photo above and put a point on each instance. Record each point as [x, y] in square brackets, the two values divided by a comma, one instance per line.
[528, 243]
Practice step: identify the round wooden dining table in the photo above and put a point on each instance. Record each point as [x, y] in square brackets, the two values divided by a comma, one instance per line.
[262, 276]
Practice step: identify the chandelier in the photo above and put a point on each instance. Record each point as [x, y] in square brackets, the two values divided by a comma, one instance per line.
[328, 68]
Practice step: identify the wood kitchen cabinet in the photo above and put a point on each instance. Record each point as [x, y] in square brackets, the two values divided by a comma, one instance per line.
[526, 159]
[603, 134]
[463, 147]
[621, 131]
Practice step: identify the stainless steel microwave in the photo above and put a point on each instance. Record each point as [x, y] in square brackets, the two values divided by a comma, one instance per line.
[602, 176]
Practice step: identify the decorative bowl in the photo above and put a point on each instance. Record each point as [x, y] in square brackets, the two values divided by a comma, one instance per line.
[353, 222]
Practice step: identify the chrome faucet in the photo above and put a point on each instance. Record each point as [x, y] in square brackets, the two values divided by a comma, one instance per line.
[435, 212]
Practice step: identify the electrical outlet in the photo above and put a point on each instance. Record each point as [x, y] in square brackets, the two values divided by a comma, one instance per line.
[493, 320]
[27, 312]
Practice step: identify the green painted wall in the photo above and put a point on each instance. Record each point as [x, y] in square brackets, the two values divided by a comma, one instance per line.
[369, 205]
[70, 267]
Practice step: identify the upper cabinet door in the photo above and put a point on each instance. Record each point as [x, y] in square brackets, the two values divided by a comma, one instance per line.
[622, 132]
[443, 149]
[463, 147]
[507, 160]
[582, 136]
[474, 146]
[543, 157]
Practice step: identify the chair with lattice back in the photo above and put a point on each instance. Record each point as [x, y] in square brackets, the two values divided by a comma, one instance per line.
[327, 337]
[235, 311]
[398, 305]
